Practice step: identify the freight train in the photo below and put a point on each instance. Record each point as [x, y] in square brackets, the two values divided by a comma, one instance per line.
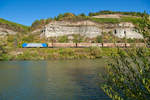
[81, 45]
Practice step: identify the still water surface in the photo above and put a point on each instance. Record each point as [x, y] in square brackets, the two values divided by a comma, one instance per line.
[51, 80]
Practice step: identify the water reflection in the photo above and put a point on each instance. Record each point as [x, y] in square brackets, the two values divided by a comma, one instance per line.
[51, 80]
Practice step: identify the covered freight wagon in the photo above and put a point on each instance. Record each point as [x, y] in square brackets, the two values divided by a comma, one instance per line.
[62, 45]
[34, 45]
[87, 45]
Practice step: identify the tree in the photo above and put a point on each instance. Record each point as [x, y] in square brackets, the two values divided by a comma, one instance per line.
[99, 39]
[70, 15]
[128, 76]
[63, 39]
[144, 28]
[77, 38]
[52, 40]
[28, 38]
[82, 14]
[48, 20]
[92, 14]
[60, 17]
[36, 24]
[3, 50]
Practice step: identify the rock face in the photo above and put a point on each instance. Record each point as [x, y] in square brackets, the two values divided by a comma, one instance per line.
[89, 29]
[4, 31]
[127, 30]
[128, 33]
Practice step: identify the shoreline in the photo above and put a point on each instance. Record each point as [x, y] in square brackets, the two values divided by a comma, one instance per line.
[46, 54]
[40, 54]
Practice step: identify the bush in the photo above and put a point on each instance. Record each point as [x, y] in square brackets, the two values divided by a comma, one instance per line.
[78, 38]
[95, 52]
[82, 14]
[63, 39]
[11, 38]
[3, 50]
[28, 38]
[128, 76]
[99, 39]
[116, 12]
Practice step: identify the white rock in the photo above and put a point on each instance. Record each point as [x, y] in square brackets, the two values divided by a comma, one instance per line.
[4, 31]
[127, 33]
[89, 29]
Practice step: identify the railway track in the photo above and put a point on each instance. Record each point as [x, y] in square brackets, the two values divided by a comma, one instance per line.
[81, 45]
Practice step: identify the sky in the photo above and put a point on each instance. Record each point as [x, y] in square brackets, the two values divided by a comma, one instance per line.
[27, 11]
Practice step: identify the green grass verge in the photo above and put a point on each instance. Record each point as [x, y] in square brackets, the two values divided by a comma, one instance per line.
[60, 53]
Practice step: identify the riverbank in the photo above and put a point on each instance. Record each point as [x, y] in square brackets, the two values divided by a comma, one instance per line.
[58, 53]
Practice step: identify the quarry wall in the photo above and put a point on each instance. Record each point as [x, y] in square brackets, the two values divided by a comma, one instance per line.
[90, 29]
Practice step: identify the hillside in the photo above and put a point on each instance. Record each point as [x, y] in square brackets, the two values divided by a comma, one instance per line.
[13, 26]
[68, 23]
[99, 17]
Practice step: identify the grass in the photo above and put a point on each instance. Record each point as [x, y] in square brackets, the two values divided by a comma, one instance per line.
[134, 20]
[61, 53]
[105, 20]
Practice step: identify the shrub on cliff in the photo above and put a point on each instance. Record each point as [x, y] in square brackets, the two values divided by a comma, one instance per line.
[82, 14]
[3, 50]
[63, 39]
[38, 24]
[99, 39]
[77, 38]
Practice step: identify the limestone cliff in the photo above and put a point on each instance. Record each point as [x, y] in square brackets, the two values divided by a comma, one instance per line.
[90, 29]
[4, 31]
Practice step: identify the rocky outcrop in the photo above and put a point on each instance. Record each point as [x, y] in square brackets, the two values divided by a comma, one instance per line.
[4, 32]
[128, 33]
[86, 28]
[127, 30]
[89, 29]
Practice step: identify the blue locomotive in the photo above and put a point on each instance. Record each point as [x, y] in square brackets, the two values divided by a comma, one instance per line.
[34, 45]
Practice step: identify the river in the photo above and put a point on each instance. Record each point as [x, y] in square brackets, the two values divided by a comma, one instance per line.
[52, 80]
